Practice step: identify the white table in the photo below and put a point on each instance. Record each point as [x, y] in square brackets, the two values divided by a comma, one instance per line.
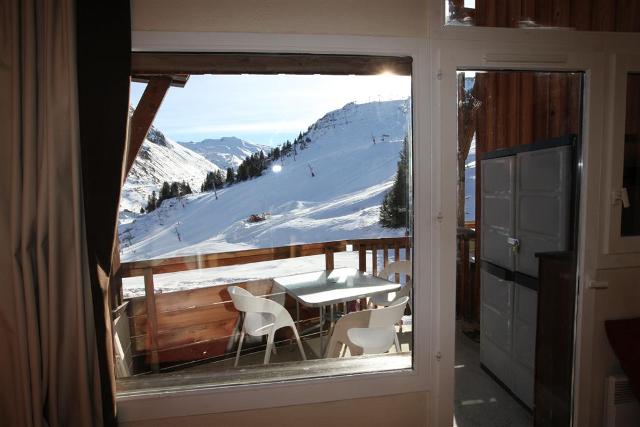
[329, 287]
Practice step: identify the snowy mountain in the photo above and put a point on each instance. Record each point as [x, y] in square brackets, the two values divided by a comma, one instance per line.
[159, 160]
[332, 189]
[225, 152]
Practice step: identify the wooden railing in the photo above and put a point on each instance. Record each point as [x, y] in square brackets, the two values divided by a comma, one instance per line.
[195, 324]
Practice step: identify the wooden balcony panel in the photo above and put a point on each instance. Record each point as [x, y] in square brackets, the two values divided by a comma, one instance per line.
[193, 298]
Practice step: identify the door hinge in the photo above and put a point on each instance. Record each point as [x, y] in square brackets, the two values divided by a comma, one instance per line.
[438, 356]
[440, 217]
[439, 75]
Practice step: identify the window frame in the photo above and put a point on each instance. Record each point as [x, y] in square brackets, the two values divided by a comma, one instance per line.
[593, 53]
[255, 396]
[621, 66]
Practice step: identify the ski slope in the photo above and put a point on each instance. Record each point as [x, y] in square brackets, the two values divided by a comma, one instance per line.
[342, 200]
[159, 160]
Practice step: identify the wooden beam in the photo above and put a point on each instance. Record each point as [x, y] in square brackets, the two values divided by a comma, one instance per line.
[328, 259]
[150, 63]
[152, 318]
[145, 113]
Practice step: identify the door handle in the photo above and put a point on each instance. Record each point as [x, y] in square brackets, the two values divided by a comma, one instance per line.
[514, 243]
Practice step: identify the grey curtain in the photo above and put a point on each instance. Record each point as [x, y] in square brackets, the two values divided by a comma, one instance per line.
[50, 373]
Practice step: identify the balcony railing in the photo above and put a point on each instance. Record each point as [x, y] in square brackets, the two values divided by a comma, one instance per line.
[169, 329]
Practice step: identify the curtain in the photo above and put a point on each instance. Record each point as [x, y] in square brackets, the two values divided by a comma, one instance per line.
[54, 317]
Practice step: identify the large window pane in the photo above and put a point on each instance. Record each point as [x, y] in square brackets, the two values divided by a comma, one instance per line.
[296, 189]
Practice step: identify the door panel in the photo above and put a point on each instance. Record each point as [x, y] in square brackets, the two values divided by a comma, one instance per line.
[542, 200]
[498, 188]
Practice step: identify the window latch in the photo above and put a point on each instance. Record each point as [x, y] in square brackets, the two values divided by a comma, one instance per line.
[620, 196]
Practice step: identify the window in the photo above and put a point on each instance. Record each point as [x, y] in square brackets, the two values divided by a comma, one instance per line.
[295, 188]
[584, 16]
[630, 222]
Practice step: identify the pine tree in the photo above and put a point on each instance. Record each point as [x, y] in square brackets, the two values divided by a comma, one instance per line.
[394, 211]
[175, 189]
[165, 192]
[152, 202]
[230, 176]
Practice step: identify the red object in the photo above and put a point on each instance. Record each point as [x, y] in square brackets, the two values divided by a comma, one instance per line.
[624, 337]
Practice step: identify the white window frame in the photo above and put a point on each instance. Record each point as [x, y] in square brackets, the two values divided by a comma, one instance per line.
[419, 379]
[445, 49]
[621, 65]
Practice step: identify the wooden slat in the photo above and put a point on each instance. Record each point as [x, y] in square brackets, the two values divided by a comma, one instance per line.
[152, 321]
[186, 318]
[603, 17]
[386, 256]
[193, 298]
[189, 334]
[362, 258]
[558, 97]
[502, 13]
[513, 127]
[396, 254]
[541, 106]
[144, 115]
[514, 13]
[581, 14]
[170, 265]
[374, 261]
[150, 63]
[328, 260]
[526, 102]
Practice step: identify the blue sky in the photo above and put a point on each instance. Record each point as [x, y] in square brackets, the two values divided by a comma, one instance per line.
[265, 109]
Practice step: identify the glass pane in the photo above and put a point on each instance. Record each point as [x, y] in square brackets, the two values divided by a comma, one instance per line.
[295, 188]
[588, 15]
[631, 172]
[518, 150]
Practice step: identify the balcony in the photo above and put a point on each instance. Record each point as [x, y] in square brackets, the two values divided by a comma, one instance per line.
[194, 332]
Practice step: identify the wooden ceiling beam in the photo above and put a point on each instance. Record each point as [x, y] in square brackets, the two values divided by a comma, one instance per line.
[145, 113]
[158, 63]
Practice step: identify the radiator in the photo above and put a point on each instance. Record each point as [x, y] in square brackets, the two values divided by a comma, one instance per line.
[621, 407]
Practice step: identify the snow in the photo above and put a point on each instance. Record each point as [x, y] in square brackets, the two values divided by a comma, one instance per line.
[157, 163]
[342, 201]
[225, 152]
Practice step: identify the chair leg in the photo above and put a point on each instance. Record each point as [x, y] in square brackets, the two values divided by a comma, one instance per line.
[235, 365]
[295, 332]
[267, 352]
[343, 351]
[398, 348]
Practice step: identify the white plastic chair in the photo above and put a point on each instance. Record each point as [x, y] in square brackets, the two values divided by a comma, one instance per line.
[261, 317]
[397, 267]
[368, 331]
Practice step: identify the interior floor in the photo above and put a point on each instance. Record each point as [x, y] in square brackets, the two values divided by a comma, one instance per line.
[479, 400]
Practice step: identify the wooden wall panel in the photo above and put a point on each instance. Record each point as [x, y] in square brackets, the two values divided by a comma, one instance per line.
[519, 108]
